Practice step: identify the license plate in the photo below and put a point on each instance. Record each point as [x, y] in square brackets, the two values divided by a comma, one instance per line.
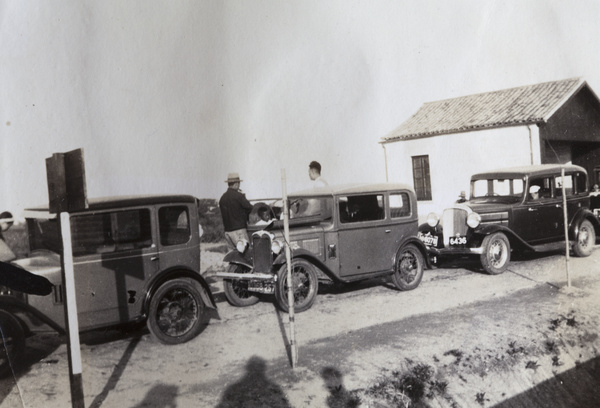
[428, 239]
[458, 240]
[267, 287]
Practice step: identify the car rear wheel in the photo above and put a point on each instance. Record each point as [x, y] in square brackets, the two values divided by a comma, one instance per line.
[12, 342]
[586, 239]
[176, 312]
[236, 291]
[409, 268]
[305, 286]
[496, 253]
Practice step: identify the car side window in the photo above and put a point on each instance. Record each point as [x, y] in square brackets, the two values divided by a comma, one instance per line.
[568, 185]
[399, 205]
[174, 225]
[111, 232]
[361, 208]
[540, 189]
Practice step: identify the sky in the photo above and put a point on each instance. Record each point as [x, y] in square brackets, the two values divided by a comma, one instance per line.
[170, 97]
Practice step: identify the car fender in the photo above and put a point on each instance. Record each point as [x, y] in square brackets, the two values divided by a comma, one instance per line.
[205, 293]
[13, 305]
[234, 257]
[307, 255]
[515, 240]
[420, 246]
[581, 215]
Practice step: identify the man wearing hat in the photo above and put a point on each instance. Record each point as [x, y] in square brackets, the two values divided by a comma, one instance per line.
[235, 209]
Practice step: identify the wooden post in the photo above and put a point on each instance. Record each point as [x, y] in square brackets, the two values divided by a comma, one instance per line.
[72, 323]
[288, 260]
[67, 192]
[566, 222]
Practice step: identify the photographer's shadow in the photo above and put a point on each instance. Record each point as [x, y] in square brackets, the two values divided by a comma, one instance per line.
[254, 389]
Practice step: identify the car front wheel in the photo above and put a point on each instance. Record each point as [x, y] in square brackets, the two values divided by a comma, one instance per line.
[409, 268]
[176, 312]
[496, 253]
[236, 291]
[305, 286]
[586, 239]
[12, 342]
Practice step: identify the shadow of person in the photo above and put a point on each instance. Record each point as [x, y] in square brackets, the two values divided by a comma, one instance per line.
[339, 397]
[161, 395]
[254, 389]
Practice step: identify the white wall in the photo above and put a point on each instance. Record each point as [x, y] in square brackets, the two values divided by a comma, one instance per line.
[454, 158]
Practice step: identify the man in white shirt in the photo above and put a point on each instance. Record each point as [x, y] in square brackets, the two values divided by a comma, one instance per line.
[314, 172]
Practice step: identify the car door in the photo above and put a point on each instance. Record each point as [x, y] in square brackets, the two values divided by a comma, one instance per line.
[113, 254]
[539, 219]
[179, 243]
[364, 235]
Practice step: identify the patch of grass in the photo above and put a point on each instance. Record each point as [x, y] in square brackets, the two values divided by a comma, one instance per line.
[513, 349]
[456, 353]
[407, 388]
[480, 398]
[532, 365]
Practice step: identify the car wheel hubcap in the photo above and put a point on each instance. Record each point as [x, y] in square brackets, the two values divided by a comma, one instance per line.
[408, 267]
[497, 253]
[177, 313]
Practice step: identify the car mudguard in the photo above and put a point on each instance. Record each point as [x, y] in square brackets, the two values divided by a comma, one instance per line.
[309, 256]
[235, 257]
[14, 305]
[420, 246]
[206, 294]
[487, 229]
[580, 215]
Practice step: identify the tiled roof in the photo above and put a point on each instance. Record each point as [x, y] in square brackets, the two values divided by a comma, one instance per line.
[516, 106]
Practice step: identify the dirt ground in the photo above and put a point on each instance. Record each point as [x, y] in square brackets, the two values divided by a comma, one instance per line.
[462, 339]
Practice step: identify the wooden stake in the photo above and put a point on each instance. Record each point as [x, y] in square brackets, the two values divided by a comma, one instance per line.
[288, 260]
[566, 222]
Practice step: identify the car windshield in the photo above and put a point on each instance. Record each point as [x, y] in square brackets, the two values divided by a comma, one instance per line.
[310, 207]
[496, 189]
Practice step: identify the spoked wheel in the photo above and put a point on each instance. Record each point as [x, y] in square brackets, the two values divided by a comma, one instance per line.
[586, 239]
[409, 268]
[236, 291]
[12, 342]
[496, 253]
[304, 286]
[176, 312]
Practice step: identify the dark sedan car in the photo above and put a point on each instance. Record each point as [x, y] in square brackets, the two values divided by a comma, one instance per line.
[518, 208]
[337, 234]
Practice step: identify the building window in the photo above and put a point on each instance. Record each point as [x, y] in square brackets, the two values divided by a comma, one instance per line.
[421, 177]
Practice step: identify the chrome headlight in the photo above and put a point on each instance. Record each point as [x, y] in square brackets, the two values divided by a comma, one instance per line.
[276, 246]
[473, 220]
[241, 246]
[433, 219]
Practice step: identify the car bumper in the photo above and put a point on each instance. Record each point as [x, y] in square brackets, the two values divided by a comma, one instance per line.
[454, 251]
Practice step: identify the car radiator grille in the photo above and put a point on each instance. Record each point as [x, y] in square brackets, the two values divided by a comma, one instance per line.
[454, 221]
[263, 258]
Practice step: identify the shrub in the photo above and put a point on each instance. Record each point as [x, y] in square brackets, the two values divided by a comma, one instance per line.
[210, 219]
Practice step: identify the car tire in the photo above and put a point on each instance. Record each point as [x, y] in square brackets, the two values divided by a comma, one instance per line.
[496, 253]
[586, 239]
[12, 342]
[306, 286]
[408, 270]
[177, 312]
[236, 291]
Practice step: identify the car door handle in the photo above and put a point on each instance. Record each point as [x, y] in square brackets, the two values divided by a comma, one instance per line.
[558, 206]
[154, 258]
[388, 231]
[532, 209]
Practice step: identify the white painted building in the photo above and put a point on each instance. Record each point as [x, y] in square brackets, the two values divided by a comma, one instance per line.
[440, 146]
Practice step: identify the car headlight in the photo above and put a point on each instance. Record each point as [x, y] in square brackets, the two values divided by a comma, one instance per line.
[241, 246]
[276, 246]
[433, 219]
[473, 220]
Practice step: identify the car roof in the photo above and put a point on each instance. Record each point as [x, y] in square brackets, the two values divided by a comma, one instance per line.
[523, 171]
[103, 203]
[354, 188]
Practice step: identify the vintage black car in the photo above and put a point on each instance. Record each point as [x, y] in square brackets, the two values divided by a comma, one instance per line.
[136, 260]
[337, 234]
[518, 208]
